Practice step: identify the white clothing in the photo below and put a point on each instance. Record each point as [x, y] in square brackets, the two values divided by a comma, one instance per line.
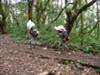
[60, 28]
[30, 24]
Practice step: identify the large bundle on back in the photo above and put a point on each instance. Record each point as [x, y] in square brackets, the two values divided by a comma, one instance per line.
[62, 33]
[32, 29]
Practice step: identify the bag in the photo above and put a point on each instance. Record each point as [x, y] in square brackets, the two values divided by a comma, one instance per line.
[34, 33]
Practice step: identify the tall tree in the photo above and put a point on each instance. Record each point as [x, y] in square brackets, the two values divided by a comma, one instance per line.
[4, 11]
[41, 6]
[30, 5]
[72, 17]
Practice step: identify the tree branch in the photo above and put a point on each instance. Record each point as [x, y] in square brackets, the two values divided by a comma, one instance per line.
[72, 18]
[86, 6]
[60, 12]
[94, 27]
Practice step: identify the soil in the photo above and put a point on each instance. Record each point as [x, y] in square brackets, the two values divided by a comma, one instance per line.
[19, 59]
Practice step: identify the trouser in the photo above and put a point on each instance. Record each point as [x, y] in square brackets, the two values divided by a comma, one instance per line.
[32, 43]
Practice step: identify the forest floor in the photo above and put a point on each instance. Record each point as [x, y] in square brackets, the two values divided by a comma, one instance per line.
[19, 59]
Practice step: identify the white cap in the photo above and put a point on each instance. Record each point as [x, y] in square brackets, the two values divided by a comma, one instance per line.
[30, 24]
[60, 28]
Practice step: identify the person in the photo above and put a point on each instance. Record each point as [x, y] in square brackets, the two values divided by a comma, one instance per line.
[62, 32]
[33, 31]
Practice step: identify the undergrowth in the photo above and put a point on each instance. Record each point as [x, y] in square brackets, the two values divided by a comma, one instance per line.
[48, 37]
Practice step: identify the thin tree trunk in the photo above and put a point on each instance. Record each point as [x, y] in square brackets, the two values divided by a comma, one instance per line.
[81, 31]
[2, 26]
[30, 5]
[3, 19]
[40, 12]
[98, 18]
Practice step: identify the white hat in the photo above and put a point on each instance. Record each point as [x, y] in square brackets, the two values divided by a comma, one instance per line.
[30, 24]
[60, 28]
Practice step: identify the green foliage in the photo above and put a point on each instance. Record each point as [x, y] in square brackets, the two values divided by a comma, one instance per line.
[19, 32]
[65, 61]
[74, 39]
[48, 36]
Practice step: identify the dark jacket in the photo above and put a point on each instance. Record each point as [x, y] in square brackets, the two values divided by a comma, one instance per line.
[63, 35]
[33, 32]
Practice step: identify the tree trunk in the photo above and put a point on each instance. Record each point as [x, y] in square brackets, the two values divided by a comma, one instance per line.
[40, 12]
[30, 5]
[2, 21]
[81, 31]
[72, 17]
[2, 30]
[98, 20]
[2, 27]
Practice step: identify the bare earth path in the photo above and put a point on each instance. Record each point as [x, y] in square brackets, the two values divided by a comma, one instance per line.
[18, 59]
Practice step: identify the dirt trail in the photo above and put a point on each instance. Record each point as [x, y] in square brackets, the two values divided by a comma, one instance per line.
[75, 56]
[19, 59]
